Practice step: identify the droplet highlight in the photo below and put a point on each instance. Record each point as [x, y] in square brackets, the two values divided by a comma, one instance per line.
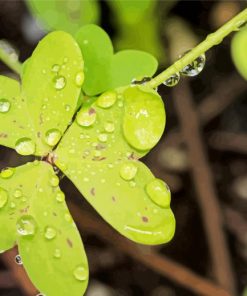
[26, 226]
[86, 117]
[4, 106]
[59, 82]
[52, 137]
[107, 99]
[173, 80]
[25, 146]
[79, 79]
[128, 171]
[81, 273]
[50, 233]
[159, 193]
[195, 67]
[7, 173]
[18, 260]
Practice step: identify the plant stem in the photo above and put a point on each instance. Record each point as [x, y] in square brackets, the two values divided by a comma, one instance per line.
[212, 39]
[7, 59]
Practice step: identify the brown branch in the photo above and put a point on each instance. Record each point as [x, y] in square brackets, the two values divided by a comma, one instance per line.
[205, 188]
[18, 272]
[160, 264]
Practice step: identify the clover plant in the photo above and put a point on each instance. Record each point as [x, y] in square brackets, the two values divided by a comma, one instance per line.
[77, 110]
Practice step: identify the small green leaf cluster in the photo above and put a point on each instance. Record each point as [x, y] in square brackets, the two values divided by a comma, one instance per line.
[76, 109]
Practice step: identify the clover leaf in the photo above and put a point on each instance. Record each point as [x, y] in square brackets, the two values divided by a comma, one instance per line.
[105, 70]
[97, 148]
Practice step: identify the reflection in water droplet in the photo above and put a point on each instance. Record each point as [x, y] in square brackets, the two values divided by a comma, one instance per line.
[173, 80]
[109, 127]
[128, 171]
[159, 193]
[86, 117]
[7, 173]
[54, 181]
[18, 260]
[60, 197]
[81, 273]
[17, 193]
[52, 137]
[3, 197]
[4, 106]
[102, 137]
[79, 79]
[107, 99]
[50, 233]
[57, 253]
[25, 146]
[144, 80]
[59, 82]
[26, 225]
[55, 68]
[195, 67]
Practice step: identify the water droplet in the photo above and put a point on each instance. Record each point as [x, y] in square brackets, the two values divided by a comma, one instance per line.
[12, 205]
[79, 79]
[17, 193]
[25, 146]
[159, 193]
[68, 217]
[55, 68]
[3, 197]
[103, 137]
[128, 171]
[60, 196]
[109, 127]
[52, 137]
[173, 80]
[67, 108]
[195, 67]
[144, 80]
[18, 260]
[57, 253]
[26, 225]
[50, 233]
[107, 99]
[54, 181]
[7, 173]
[59, 82]
[4, 106]
[86, 117]
[81, 273]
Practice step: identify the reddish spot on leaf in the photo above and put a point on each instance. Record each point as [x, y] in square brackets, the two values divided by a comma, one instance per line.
[69, 242]
[113, 198]
[92, 191]
[91, 111]
[145, 219]
[3, 135]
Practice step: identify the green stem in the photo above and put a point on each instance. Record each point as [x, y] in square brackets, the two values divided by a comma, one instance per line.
[211, 40]
[13, 64]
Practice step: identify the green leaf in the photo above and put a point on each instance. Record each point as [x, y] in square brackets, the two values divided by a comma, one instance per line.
[104, 70]
[104, 166]
[239, 53]
[36, 216]
[52, 80]
[65, 15]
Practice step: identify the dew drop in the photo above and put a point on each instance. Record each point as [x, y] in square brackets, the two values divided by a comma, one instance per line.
[107, 99]
[57, 253]
[55, 68]
[86, 117]
[3, 197]
[128, 171]
[159, 193]
[25, 146]
[54, 181]
[195, 67]
[12, 205]
[144, 80]
[67, 108]
[79, 79]
[50, 233]
[59, 82]
[52, 137]
[81, 273]
[60, 196]
[18, 260]
[173, 80]
[103, 137]
[7, 173]
[109, 127]
[17, 193]
[4, 106]
[26, 225]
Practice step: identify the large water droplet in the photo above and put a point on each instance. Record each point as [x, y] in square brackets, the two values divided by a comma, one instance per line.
[159, 193]
[109, 127]
[3, 197]
[50, 233]
[81, 273]
[7, 173]
[107, 99]
[18, 260]
[86, 117]
[4, 105]
[59, 82]
[26, 225]
[195, 67]
[79, 79]
[60, 197]
[25, 146]
[173, 80]
[52, 137]
[128, 171]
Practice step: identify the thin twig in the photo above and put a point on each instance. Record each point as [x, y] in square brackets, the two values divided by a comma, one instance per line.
[205, 188]
[159, 263]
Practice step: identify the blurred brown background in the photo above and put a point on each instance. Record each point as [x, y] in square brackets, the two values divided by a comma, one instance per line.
[202, 156]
